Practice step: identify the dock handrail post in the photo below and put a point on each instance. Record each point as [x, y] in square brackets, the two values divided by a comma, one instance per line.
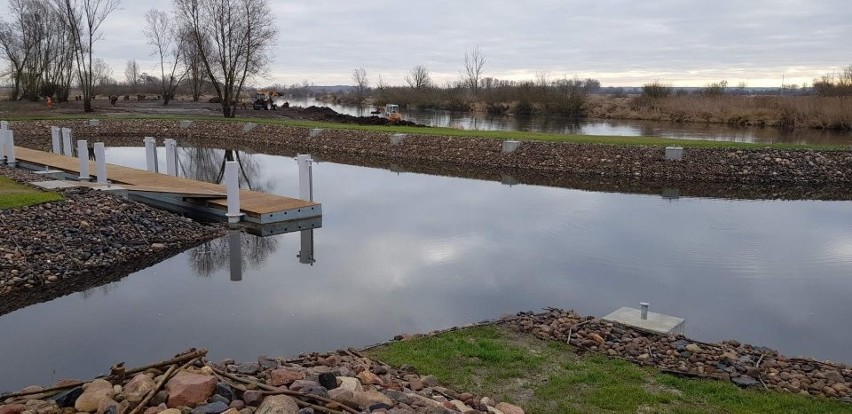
[643, 313]
[151, 154]
[4, 124]
[171, 157]
[232, 183]
[83, 155]
[7, 142]
[56, 139]
[306, 179]
[100, 161]
[67, 137]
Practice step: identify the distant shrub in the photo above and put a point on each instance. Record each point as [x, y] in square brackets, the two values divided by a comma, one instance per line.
[656, 90]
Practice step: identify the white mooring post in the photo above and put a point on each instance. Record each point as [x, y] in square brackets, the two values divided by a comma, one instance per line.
[83, 155]
[396, 139]
[511, 146]
[4, 124]
[67, 138]
[315, 132]
[171, 157]
[306, 179]
[643, 307]
[232, 183]
[7, 143]
[56, 139]
[100, 163]
[674, 153]
[151, 154]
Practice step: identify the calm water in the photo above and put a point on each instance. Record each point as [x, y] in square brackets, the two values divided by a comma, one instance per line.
[551, 124]
[410, 253]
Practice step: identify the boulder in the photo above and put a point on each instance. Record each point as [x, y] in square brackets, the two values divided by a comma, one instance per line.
[283, 376]
[93, 394]
[368, 378]
[12, 408]
[507, 408]
[190, 389]
[366, 399]
[278, 404]
[350, 383]
[138, 387]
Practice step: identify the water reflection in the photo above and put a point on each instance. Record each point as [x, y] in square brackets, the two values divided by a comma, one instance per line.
[238, 251]
[559, 125]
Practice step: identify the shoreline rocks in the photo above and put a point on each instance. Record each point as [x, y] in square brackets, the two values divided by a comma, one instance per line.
[90, 238]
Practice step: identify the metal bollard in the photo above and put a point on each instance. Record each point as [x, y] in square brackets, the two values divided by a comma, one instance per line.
[232, 183]
[151, 154]
[67, 138]
[56, 139]
[171, 157]
[644, 310]
[306, 179]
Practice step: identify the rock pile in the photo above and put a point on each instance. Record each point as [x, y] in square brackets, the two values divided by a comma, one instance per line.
[49, 248]
[742, 364]
[340, 382]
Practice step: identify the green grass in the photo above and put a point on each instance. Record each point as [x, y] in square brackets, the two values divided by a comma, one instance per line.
[549, 377]
[13, 195]
[500, 135]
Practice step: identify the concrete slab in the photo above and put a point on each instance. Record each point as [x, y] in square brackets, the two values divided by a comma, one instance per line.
[52, 174]
[656, 322]
[56, 184]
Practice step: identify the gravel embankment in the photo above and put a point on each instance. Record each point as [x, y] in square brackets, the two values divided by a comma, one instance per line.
[746, 173]
[86, 240]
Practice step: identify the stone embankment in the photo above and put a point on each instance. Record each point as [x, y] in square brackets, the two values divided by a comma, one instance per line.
[86, 240]
[742, 364]
[340, 382]
[823, 174]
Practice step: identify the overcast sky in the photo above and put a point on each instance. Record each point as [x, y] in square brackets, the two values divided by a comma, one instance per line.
[619, 42]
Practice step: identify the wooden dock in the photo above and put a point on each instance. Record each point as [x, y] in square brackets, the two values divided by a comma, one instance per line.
[160, 189]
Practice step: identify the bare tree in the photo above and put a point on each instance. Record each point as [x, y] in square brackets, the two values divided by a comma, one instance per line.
[359, 76]
[474, 62]
[18, 39]
[166, 41]
[418, 78]
[83, 19]
[239, 34]
[191, 57]
[131, 74]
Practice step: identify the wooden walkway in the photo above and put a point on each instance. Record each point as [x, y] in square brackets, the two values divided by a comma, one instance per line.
[259, 207]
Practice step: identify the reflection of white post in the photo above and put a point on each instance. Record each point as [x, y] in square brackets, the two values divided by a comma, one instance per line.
[100, 162]
[232, 183]
[56, 139]
[171, 157]
[83, 155]
[66, 142]
[236, 255]
[306, 180]
[4, 124]
[306, 254]
[151, 154]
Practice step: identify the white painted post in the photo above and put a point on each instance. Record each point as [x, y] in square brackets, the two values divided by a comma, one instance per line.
[56, 139]
[83, 155]
[315, 132]
[511, 146]
[67, 136]
[10, 148]
[396, 139]
[171, 157]
[4, 124]
[3, 143]
[674, 153]
[644, 310]
[100, 161]
[232, 183]
[151, 154]
[306, 180]
[94, 122]
[185, 124]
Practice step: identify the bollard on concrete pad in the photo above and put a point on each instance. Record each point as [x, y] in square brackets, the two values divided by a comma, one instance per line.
[185, 124]
[83, 155]
[396, 139]
[4, 124]
[10, 148]
[67, 139]
[100, 163]
[171, 157]
[315, 132]
[248, 126]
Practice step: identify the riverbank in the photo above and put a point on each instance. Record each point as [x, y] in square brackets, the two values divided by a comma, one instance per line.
[88, 239]
[735, 171]
[553, 361]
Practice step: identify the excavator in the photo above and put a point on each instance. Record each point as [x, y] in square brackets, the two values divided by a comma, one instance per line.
[263, 100]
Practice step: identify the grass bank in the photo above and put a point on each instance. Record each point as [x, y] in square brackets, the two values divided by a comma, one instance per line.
[550, 377]
[13, 195]
[451, 132]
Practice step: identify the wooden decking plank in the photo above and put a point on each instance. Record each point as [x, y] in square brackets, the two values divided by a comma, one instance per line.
[251, 202]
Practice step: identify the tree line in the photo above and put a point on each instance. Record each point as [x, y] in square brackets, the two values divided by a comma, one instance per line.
[49, 48]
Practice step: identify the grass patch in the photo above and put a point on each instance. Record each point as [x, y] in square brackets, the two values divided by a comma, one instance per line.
[13, 195]
[452, 132]
[549, 377]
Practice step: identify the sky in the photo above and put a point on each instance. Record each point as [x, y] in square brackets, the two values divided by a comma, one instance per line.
[619, 42]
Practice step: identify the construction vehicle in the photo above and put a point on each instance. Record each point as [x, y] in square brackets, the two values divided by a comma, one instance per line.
[263, 100]
[392, 113]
